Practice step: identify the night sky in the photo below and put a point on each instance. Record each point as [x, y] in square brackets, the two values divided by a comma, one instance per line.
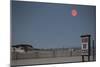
[45, 25]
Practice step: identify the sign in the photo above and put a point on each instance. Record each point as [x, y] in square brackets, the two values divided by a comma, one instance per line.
[85, 45]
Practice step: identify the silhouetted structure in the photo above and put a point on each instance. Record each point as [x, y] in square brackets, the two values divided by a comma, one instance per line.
[22, 48]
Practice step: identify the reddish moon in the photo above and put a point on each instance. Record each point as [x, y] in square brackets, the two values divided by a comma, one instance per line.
[74, 12]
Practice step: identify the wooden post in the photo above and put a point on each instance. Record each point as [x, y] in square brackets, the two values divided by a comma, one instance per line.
[88, 58]
[54, 53]
[82, 58]
[93, 50]
[89, 48]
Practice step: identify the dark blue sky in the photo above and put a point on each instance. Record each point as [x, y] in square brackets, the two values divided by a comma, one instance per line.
[46, 25]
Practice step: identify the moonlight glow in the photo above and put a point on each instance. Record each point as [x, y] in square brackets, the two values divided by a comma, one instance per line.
[74, 12]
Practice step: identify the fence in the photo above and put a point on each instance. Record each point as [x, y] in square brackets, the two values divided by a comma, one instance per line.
[45, 53]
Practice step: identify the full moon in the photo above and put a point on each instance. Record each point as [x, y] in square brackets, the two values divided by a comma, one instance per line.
[74, 12]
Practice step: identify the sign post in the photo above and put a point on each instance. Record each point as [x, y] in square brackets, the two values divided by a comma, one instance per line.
[85, 46]
[93, 49]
